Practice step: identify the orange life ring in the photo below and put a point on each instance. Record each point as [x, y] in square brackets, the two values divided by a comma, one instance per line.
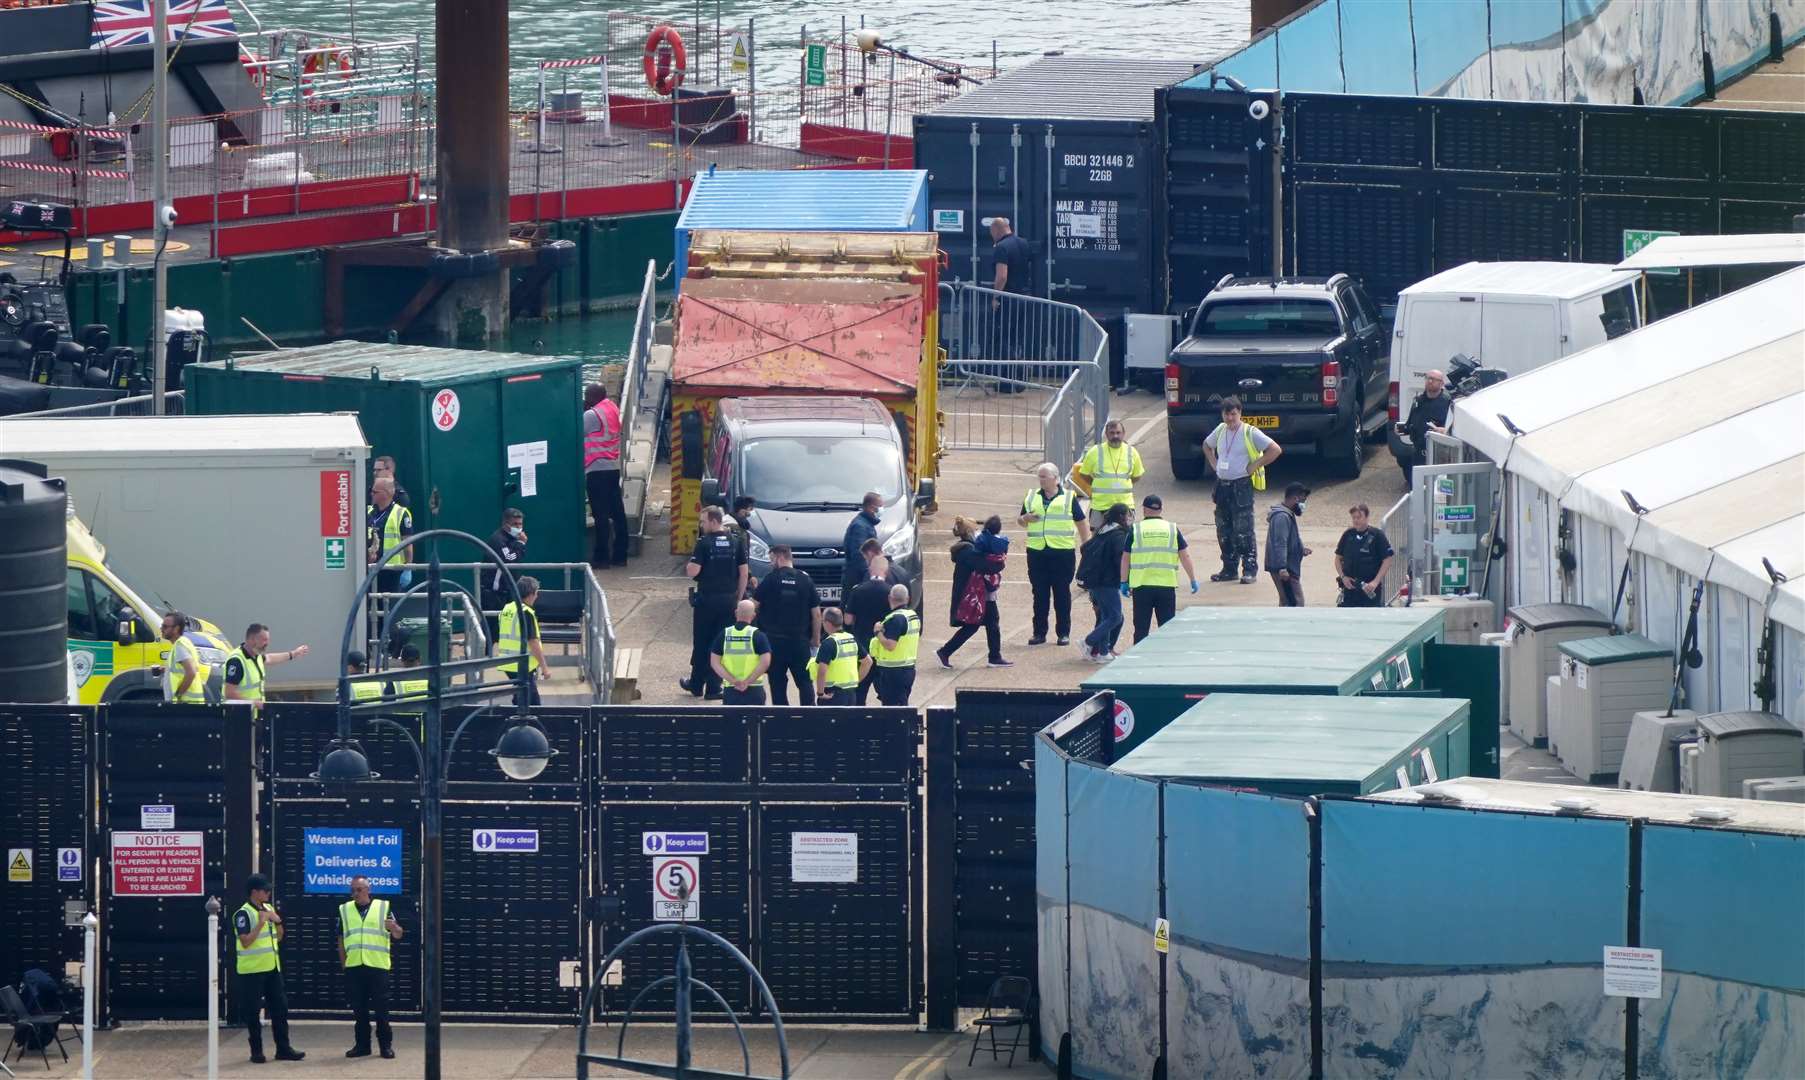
[319, 62]
[665, 60]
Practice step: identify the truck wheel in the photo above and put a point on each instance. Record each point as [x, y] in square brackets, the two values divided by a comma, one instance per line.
[1187, 460]
[1345, 450]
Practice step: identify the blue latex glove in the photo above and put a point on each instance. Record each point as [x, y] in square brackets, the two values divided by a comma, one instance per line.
[1193, 586]
[1124, 588]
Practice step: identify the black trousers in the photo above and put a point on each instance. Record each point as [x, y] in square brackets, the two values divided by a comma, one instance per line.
[610, 517]
[789, 660]
[255, 993]
[844, 695]
[863, 695]
[369, 991]
[1291, 593]
[1151, 601]
[1234, 523]
[993, 634]
[1358, 598]
[1050, 573]
[894, 684]
[753, 694]
[712, 614]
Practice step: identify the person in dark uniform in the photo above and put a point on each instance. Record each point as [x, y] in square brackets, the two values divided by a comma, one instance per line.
[384, 466]
[740, 656]
[258, 929]
[509, 541]
[865, 607]
[1429, 412]
[718, 567]
[841, 663]
[789, 612]
[1011, 273]
[385, 525]
[740, 523]
[894, 648]
[1362, 556]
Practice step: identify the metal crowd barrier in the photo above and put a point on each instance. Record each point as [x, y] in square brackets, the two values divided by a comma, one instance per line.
[139, 405]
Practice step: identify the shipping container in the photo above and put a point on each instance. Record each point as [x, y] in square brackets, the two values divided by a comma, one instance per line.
[481, 430]
[1206, 650]
[1296, 744]
[816, 200]
[234, 519]
[1066, 148]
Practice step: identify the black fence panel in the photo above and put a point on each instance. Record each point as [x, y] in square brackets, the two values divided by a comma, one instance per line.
[156, 947]
[1219, 202]
[44, 802]
[673, 746]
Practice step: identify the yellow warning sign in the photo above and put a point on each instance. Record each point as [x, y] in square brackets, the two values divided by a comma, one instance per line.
[1162, 936]
[739, 52]
[18, 864]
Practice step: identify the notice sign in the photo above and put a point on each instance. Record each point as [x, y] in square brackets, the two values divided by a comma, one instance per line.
[330, 858]
[824, 857]
[335, 502]
[673, 843]
[1162, 936]
[676, 888]
[156, 817]
[158, 863]
[949, 221]
[1632, 972]
[68, 864]
[504, 841]
[1463, 512]
[18, 864]
[527, 457]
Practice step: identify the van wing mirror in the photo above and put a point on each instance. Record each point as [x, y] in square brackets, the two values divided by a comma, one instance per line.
[711, 491]
[924, 494]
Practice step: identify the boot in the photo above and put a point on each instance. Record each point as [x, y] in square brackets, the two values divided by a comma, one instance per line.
[1250, 572]
[1226, 574]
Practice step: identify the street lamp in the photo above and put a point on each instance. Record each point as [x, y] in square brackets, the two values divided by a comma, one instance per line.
[522, 752]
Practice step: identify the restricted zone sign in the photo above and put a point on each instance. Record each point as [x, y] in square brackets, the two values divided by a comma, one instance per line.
[158, 863]
[676, 888]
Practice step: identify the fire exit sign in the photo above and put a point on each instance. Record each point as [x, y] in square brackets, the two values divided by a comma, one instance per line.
[1635, 240]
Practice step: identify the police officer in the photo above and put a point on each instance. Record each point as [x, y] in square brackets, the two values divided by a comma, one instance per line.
[517, 631]
[1150, 565]
[894, 648]
[386, 524]
[1056, 527]
[789, 612]
[246, 664]
[365, 929]
[184, 676]
[740, 656]
[259, 960]
[356, 663]
[840, 663]
[718, 567]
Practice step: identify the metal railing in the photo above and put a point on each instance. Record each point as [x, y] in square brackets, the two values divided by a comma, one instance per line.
[139, 405]
[639, 355]
[1400, 570]
[1021, 373]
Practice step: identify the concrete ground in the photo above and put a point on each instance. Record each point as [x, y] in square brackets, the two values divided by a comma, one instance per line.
[516, 1052]
[647, 597]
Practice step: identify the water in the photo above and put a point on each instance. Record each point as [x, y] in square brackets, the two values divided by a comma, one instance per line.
[962, 31]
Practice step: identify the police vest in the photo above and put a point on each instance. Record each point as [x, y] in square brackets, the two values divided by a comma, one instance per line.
[172, 673]
[366, 691]
[261, 954]
[1153, 560]
[391, 533]
[510, 637]
[903, 656]
[414, 689]
[739, 654]
[250, 685]
[1055, 529]
[843, 670]
[365, 937]
[1112, 475]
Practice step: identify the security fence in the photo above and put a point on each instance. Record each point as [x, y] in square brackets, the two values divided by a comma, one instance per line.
[1021, 373]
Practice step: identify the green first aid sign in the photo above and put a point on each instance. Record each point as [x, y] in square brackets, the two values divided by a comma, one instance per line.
[335, 553]
[814, 67]
[1453, 574]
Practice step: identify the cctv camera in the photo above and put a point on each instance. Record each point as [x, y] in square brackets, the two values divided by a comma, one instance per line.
[167, 216]
[1259, 110]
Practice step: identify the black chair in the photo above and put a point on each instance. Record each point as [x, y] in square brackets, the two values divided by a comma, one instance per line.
[23, 1021]
[1009, 1004]
[560, 615]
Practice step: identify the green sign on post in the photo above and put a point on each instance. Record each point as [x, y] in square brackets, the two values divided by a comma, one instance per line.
[1635, 240]
[814, 67]
[335, 553]
[1453, 574]
[1456, 513]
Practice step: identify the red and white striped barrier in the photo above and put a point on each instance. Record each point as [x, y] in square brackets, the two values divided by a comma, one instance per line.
[51, 129]
[32, 166]
[581, 61]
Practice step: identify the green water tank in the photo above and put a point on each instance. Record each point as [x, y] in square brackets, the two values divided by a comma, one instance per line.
[485, 430]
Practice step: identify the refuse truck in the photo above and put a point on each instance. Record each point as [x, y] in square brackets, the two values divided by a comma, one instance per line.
[831, 314]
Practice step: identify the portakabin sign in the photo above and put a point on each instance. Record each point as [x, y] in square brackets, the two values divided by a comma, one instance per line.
[335, 502]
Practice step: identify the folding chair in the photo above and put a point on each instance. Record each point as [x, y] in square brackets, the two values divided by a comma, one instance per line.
[16, 1014]
[1008, 1005]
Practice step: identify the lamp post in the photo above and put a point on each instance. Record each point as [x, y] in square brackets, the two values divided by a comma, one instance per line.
[522, 751]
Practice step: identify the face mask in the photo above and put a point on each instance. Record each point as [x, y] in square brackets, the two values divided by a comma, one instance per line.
[1300, 508]
[515, 531]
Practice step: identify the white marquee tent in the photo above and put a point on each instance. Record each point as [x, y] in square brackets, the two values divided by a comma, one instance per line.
[1700, 419]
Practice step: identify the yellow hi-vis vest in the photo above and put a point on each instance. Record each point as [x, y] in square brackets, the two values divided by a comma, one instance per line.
[903, 656]
[1153, 560]
[739, 657]
[172, 673]
[1055, 529]
[843, 671]
[250, 687]
[510, 636]
[1255, 473]
[366, 691]
[391, 533]
[1111, 473]
[261, 956]
[366, 938]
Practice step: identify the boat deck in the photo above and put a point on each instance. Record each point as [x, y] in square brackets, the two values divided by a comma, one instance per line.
[1767, 87]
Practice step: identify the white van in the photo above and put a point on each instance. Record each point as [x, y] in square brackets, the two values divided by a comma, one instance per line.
[1513, 316]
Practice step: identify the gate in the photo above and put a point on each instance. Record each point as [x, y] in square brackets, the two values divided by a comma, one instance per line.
[44, 812]
[1021, 373]
[765, 785]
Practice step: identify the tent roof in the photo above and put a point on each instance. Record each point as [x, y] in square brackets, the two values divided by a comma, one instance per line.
[1699, 417]
[1698, 252]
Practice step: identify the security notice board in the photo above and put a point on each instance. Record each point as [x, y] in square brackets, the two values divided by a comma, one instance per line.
[159, 863]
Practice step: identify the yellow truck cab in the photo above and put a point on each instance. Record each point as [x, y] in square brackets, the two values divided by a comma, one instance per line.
[113, 632]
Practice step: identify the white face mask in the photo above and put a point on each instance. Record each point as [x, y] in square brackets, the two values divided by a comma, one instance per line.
[1300, 508]
[515, 531]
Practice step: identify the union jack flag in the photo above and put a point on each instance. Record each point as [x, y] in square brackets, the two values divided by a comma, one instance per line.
[128, 22]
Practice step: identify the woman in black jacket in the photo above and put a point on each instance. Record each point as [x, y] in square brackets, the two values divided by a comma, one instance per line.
[1100, 572]
[967, 561]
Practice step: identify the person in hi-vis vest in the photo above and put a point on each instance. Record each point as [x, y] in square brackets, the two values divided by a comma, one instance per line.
[365, 929]
[258, 961]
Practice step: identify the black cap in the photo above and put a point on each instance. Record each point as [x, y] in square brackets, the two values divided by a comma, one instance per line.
[1152, 502]
[356, 658]
[255, 882]
[410, 654]
[1295, 488]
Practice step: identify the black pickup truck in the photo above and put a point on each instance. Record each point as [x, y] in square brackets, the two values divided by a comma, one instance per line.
[1308, 358]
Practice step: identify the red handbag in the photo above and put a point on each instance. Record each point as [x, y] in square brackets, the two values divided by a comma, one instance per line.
[970, 611]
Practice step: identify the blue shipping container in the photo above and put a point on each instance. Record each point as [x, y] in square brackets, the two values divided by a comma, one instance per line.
[826, 200]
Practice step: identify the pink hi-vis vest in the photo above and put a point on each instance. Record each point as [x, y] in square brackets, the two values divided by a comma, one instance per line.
[603, 445]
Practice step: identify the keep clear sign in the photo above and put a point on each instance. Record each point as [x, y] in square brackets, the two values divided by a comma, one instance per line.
[330, 858]
[824, 857]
